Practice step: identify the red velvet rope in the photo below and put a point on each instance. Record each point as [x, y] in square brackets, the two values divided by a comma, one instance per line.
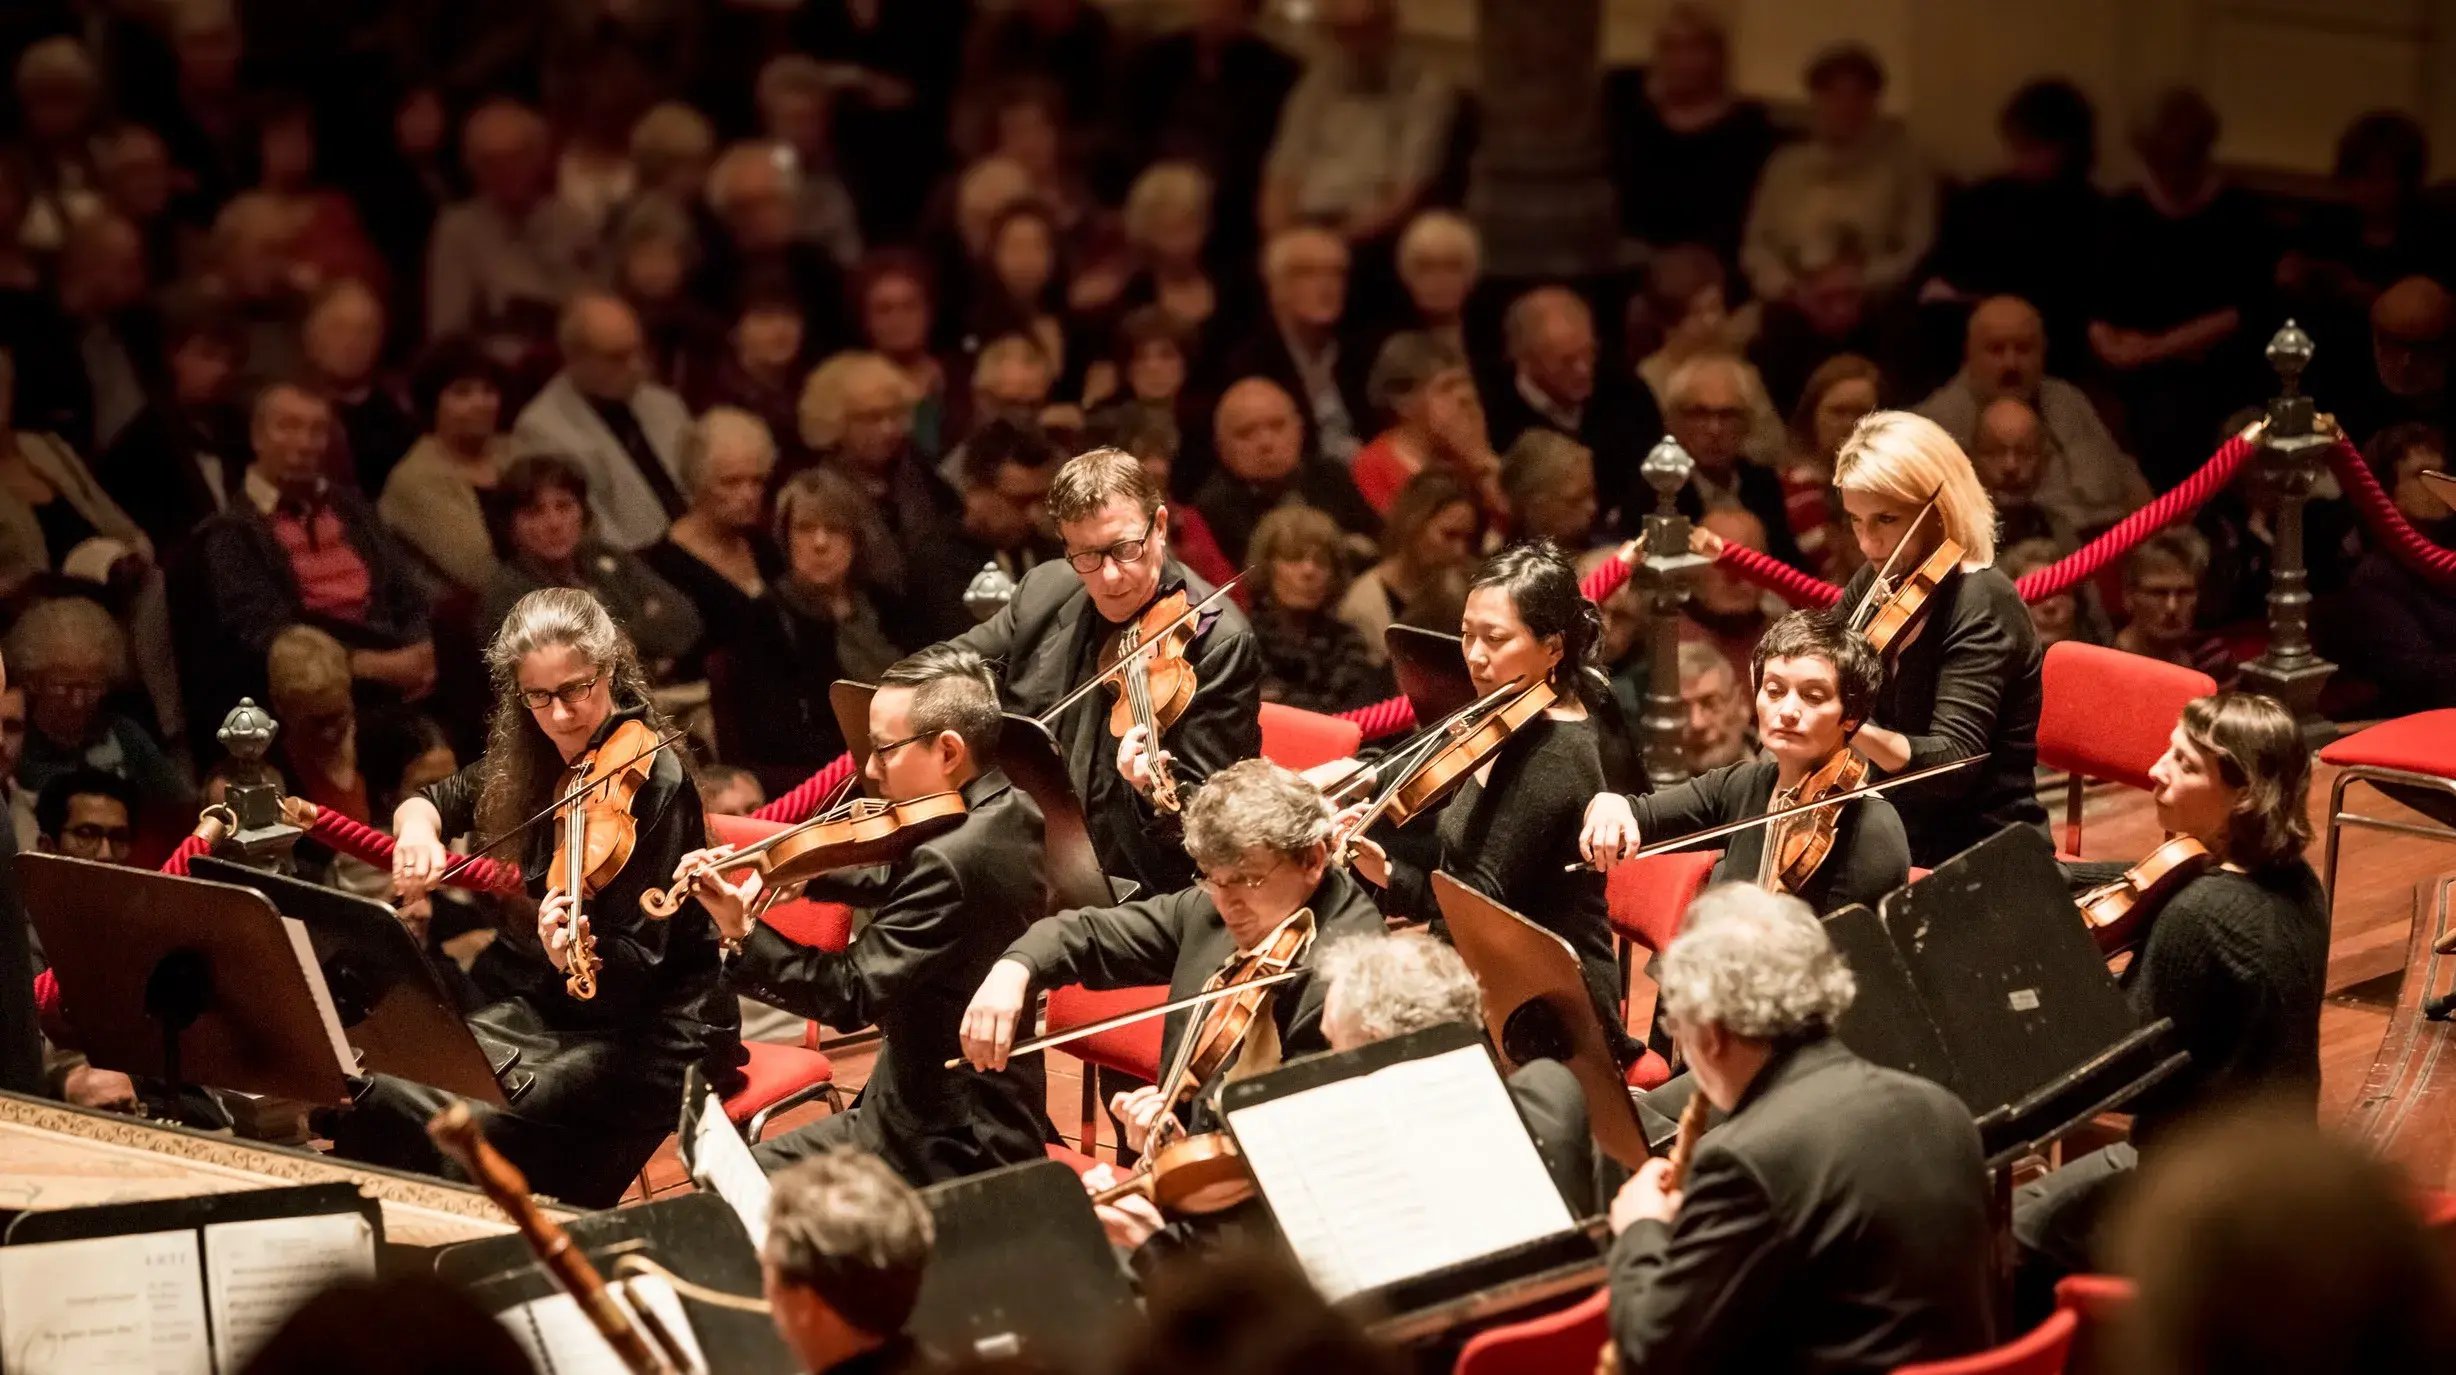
[373, 846]
[804, 799]
[2404, 543]
[1777, 577]
[190, 847]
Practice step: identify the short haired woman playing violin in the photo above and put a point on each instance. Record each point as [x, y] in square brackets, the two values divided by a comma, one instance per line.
[602, 1051]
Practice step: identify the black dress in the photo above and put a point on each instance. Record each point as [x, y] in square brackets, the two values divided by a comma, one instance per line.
[1967, 682]
[724, 608]
[597, 1083]
[769, 689]
[1870, 856]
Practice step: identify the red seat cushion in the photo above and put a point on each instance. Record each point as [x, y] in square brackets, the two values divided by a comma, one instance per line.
[1073, 1159]
[1557, 1343]
[774, 1073]
[2106, 714]
[1294, 738]
[2424, 742]
[2042, 1350]
[1646, 898]
[1651, 1071]
[1130, 1049]
[822, 925]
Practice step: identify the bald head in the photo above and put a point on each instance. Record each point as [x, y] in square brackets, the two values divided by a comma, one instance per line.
[1261, 437]
[603, 352]
[2409, 337]
[2005, 353]
[1551, 337]
[505, 146]
[2009, 451]
[1718, 591]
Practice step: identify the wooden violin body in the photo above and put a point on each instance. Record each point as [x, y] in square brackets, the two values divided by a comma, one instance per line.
[2119, 912]
[1155, 686]
[1191, 1176]
[595, 833]
[863, 831]
[1890, 621]
[1427, 770]
[1796, 848]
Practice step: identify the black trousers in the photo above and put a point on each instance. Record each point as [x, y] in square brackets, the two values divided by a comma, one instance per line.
[584, 1165]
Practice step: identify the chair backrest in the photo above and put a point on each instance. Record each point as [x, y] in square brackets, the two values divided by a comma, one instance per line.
[1130, 1049]
[2042, 1350]
[1298, 739]
[2095, 1298]
[804, 921]
[1645, 898]
[1564, 1342]
[2107, 713]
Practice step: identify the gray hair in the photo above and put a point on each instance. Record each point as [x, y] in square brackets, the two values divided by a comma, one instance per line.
[670, 135]
[1681, 387]
[1407, 363]
[721, 427]
[1379, 985]
[1700, 657]
[67, 630]
[1440, 233]
[1251, 805]
[1756, 964]
[846, 1227]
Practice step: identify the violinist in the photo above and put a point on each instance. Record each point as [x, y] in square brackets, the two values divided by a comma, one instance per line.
[938, 918]
[1511, 830]
[603, 1074]
[1964, 677]
[2238, 957]
[1051, 636]
[1815, 682]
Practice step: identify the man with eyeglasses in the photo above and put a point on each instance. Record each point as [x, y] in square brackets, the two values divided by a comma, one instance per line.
[1260, 836]
[1064, 615]
[87, 814]
[1708, 410]
[939, 918]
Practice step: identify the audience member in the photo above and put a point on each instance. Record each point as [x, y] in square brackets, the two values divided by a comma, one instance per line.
[1168, 227]
[847, 1244]
[602, 413]
[1150, 365]
[729, 790]
[1718, 721]
[1311, 658]
[672, 147]
[342, 341]
[50, 503]
[72, 657]
[813, 625]
[1843, 388]
[2018, 232]
[2062, 616]
[1548, 479]
[1422, 383]
[1210, 93]
[1301, 346]
[326, 239]
[1018, 287]
[1440, 259]
[1434, 527]
[754, 251]
[248, 270]
[2375, 231]
[501, 261]
[2088, 482]
[1067, 44]
[1857, 177]
[547, 541]
[1728, 611]
[1684, 312]
[762, 369]
[894, 315]
[1709, 416]
[86, 814]
[2413, 337]
[1686, 148]
[307, 682]
[650, 257]
[1555, 384]
[179, 460]
[1828, 313]
[717, 553]
[793, 92]
[139, 186]
[1026, 121]
[856, 417]
[111, 337]
[2008, 451]
[436, 501]
[16, 797]
[2393, 627]
[899, 65]
[1012, 380]
[60, 102]
[1263, 464]
[1363, 133]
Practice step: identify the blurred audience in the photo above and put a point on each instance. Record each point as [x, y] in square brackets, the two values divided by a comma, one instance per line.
[1363, 133]
[2161, 602]
[549, 540]
[442, 498]
[2087, 481]
[1710, 415]
[1263, 462]
[1311, 658]
[1856, 178]
[1432, 532]
[604, 414]
[1421, 383]
[717, 553]
[1556, 383]
[1842, 390]
[1687, 149]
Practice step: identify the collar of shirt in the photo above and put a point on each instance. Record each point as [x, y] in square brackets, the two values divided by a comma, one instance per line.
[262, 492]
[1568, 418]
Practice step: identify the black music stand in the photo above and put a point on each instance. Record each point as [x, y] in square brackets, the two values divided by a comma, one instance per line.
[1029, 757]
[186, 981]
[395, 1010]
[1431, 670]
[1056, 1301]
[850, 701]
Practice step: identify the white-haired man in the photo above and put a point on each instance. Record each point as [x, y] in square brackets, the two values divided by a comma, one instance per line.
[606, 414]
[1836, 1219]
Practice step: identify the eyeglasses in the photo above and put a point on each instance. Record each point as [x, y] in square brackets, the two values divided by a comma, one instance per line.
[569, 694]
[1243, 883]
[881, 751]
[1125, 551]
[90, 833]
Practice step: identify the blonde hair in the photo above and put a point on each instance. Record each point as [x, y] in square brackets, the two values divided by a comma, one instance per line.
[1909, 458]
[1162, 187]
[304, 663]
[821, 411]
[670, 135]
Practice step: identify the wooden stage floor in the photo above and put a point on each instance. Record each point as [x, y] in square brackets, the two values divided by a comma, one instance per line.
[2377, 875]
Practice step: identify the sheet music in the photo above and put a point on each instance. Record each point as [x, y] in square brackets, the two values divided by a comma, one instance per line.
[124, 1305]
[560, 1340]
[721, 1162]
[258, 1272]
[1369, 1177]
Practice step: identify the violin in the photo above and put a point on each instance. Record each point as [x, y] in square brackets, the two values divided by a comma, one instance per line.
[1797, 845]
[1191, 1174]
[862, 831]
[2118, 912]
[1426, 770]
[1154, 682]
[596, 832]
[1887, 613]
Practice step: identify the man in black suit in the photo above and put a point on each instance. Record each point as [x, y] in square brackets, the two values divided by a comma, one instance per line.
[1064, 613]
[1302, 345]
[1554, 383]
[1264, 465]
[1836, 1219]
[939, 917]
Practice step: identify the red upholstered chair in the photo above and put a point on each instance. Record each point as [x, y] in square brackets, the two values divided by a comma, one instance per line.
[1133, 1049]
[1564, 1342]
[781, 1078]
[2107, 715]
[2415, 752]
[1298, 739]
[2096, 1301]
[2042, 1350]
[1645, 900]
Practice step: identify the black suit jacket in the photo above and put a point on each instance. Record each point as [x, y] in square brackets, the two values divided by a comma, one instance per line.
[1837, 1221]
[1048, 639]
[1232, 507]
[946, 912]
[1620, 423]
[151, 470]
[1264, 353]
[1553, 1106]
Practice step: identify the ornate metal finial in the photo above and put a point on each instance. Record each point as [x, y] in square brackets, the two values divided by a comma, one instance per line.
[1667, 469]
[260, 836]
[247, 732]
[2289, 352]
[989, 591]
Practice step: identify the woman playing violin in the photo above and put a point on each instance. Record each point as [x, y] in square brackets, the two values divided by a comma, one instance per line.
[1963, 678]
[597, 1081]
[2238, 957]
[1511, 830]
[1816, 680]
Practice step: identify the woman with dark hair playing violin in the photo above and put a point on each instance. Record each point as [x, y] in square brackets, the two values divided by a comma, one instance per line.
[1815, 681]
[1511, 829]
[605, 1007]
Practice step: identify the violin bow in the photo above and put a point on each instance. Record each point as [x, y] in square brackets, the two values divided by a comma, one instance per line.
[1149, 644]
[1059, 1038]
[1881, 586]
[1682, 842]
[548, 810]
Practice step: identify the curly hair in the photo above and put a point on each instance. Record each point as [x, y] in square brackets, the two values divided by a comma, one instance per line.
[1379, 986]
[521, 763]
[1756, 964]
[1254, 804]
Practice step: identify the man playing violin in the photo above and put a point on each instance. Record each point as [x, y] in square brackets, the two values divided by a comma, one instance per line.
[1050, 638]
[1815, 682]
[2238, 957]
[597, 1080]
[939, 918]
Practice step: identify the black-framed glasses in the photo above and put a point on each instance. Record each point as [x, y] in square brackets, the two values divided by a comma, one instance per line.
[881, 751]
[1125, 551]
[569, 694]
[1246, 883]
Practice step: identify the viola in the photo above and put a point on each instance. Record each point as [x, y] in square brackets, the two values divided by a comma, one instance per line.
[862, 831]
[2119, 912]
[595, 833]
[1425, 771]
[1154, 682]
[1797, 845]
[1887, 613]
